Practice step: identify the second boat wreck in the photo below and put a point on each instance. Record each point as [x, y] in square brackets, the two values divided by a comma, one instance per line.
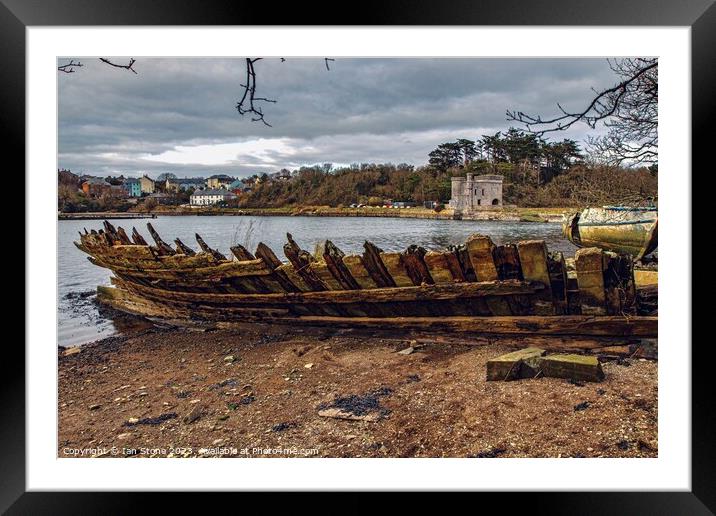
[477, 286]
[622, 229]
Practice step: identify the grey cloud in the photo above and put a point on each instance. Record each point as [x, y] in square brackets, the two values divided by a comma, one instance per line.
[361, 110]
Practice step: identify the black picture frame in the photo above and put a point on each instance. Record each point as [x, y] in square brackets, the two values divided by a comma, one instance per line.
[700, 15]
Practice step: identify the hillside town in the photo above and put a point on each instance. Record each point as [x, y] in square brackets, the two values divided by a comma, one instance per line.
[83, 192]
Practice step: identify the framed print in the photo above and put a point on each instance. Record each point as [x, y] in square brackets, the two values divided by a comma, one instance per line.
[359, 257]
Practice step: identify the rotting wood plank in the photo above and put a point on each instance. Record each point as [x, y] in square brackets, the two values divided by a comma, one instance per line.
[558, 281]
[183, 248]
[437, 264]
[453, 263]
[265, 253]
[615, 326]
[396, 269]
[293, 277]
[333, 257]
[426, 293]
[123, 237]
[463, 258]
[208, 250]
[323, 273]
[619, 284]
[413, 260]
[354, 263]
[301, 260]
[241, 253]
[375, 266]
[479, 249]
[533, 260]
[162, 246]
[507, 262]
[590, 277]
[137, 238]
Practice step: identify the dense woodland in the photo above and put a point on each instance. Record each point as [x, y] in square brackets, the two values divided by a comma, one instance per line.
[537, 172]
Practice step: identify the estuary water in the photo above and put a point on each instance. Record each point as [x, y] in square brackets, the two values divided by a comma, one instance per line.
[79, 320]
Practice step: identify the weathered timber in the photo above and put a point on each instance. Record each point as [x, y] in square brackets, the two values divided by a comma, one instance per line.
[285, 284]
[111, 233]
[162, 246]
[323, 273]
[241, 253]
[590, 278]
[354, 263]
[265, 284]
[463, 258]
[533, 259]
[375, 266]
[184, 249]
[394, 265]
[301, 261]
[413, 260]
[287, 271]
[200, 275]
[575, 367]
[208, 250]
[437, 264]
[615, 326]
[516, 365]
[619, 285]
[557, 270]
[424, 293]
[479, 250]
[453, 263]
[334, 260]
[266, 254]
[137, 238]
[123, 237]
[507, 262]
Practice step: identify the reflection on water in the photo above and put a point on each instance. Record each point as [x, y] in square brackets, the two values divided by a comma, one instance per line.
[79, 320]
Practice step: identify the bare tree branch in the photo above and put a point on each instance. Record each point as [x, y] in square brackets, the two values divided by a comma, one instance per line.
[126, 67]
[248, 102]
[629, 109]
[249, 98]
[70, 67]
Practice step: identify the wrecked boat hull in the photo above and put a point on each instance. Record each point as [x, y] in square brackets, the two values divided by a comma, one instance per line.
[619, 229]
[476, 286]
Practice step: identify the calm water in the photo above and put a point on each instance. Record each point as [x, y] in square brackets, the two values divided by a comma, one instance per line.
[79, 320]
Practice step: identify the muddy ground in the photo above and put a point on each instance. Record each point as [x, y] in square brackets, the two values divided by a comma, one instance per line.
[257, 391]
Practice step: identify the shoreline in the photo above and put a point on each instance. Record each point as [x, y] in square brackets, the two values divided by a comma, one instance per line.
[541, 215]
[170, 392]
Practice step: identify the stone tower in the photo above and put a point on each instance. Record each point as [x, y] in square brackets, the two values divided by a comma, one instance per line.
[476, 192]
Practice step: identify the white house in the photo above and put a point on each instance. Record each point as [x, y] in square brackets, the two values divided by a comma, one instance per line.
[210, 197]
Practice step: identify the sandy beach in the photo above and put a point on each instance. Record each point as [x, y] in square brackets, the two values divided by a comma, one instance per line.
[262, 390]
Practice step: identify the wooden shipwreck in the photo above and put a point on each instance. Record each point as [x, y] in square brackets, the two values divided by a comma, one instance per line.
[513, 289]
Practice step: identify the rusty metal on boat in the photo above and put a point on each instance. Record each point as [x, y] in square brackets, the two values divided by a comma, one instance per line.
[621, 229]
[518, 289]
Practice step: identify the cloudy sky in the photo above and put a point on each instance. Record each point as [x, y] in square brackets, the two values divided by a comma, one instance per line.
[178, 115]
